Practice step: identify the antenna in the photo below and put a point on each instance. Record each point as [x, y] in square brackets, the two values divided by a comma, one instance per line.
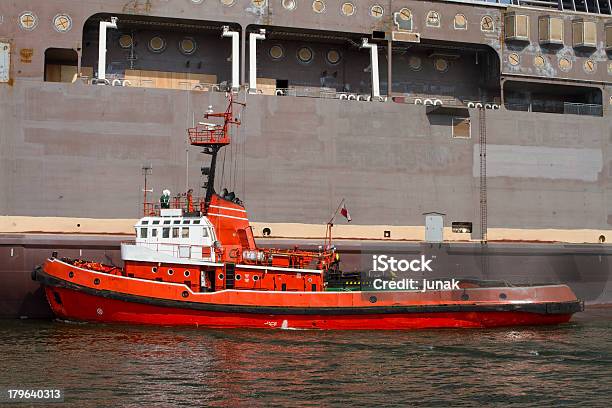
[147, 170]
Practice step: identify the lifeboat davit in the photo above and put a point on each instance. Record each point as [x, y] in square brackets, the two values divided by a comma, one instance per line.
[195, 262]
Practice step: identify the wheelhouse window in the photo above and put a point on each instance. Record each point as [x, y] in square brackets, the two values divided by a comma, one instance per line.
[154, 232]
[155, 222]
[166, 233]
[175, 232]
[185, 232]
[143, 233]
[205, 232]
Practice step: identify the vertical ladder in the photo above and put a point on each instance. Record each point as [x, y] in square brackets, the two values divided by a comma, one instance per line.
[483, 174]
[484, 256]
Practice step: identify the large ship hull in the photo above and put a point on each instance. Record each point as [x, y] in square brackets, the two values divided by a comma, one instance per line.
[585, 268]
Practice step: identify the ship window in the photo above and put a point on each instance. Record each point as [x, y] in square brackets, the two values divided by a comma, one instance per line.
[461, 128]
[177, 222]
[170, 272]
[60, 65]
[185, 232]
[238, 277]
[143, 233]
[175, 232]
[305, 55]
[205, 232]
[166, 233]
[196, 221]
[155, 222]
[186, 221]
[157, 44]
[462, 227]
[153, 232]
[255, 278]
[145, 222]
[187, 45]
[167, 222]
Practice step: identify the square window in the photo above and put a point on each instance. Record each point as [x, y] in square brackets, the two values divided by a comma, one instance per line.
[205, 232]
[166, 233]
[143, 233]
[154, 232]
[185, 232]
[175, 232]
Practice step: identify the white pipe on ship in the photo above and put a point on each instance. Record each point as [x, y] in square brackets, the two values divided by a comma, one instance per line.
[374, 62]
[253, 37]
[235, 36]
[102, 46]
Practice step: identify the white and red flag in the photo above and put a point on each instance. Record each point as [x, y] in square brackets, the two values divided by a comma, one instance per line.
[345, 213]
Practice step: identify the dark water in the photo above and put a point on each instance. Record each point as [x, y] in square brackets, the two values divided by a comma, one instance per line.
[164, 367]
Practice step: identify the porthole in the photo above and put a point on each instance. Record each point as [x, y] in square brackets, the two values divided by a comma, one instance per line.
[405, 14]
[304, 54]
[185, 294]
[415, 63]
[539, 61]
[276, 52]
[589, 66]
[318, 6]
[157, 44]
[465, 296]
[186, 273]
[441, 65]
[238, 277]
[221, 276]
[154, 269]
[348, 9]
[255, 278]
[565, 64]
[377, 11]
[514, 59]
[486, 24]
[433, 19]
[503, 296]
[28, 20]
[62, 23]
[373, 299]
[170, 272]
[289, 4]
[71, 274]
[460, 22]
[227, 2]
[96, 281]
[125, 41]
[187, 45]
[333, 57]
[258, 3]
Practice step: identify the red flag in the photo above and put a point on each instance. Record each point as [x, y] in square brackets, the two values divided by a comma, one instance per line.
[345, 213]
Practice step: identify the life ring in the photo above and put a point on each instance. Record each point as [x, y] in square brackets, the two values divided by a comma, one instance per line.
[471, 105]
[126, 82]
[116, 82]
[437, 102]
[428, 102]
[352, 97]
[478, 105]
[488, 106]
[343, 97]
[418, 101]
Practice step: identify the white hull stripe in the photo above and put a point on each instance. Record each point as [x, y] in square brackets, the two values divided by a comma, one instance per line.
[227, 208]
[227, 216]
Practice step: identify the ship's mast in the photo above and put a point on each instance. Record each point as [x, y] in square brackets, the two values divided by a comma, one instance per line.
[212, 137]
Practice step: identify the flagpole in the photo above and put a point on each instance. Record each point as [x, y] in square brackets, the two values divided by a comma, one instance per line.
[330, 224]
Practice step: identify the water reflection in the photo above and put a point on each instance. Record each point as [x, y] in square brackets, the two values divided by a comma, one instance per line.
[160, 367]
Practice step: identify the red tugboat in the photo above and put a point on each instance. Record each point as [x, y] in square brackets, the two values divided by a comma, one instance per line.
[196, 263]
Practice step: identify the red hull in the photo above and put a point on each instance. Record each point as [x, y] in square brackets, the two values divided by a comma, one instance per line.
[85, 307]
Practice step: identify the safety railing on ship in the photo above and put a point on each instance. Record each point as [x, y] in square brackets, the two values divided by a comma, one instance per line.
[570, 108]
